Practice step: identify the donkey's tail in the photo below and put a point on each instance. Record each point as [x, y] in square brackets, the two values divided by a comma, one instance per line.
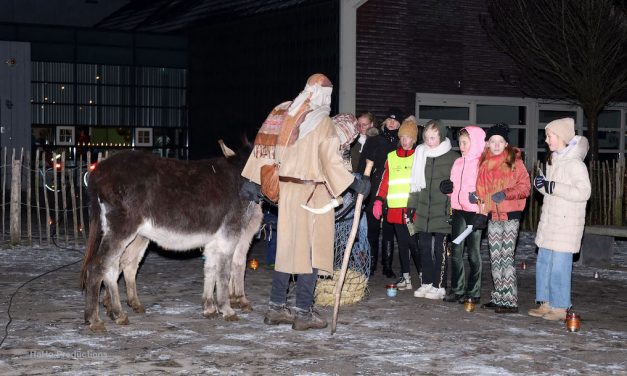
[93, 241]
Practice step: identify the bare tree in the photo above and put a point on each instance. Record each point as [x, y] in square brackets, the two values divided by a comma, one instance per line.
[572, 50]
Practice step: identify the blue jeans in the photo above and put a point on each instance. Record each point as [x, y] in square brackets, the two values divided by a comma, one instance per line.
[553, 277]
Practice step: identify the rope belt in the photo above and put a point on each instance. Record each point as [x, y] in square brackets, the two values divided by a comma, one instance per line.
[289, 179]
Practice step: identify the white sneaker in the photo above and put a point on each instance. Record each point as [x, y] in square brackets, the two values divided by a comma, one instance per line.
[403, 284]
[422, 290]
[435, 293]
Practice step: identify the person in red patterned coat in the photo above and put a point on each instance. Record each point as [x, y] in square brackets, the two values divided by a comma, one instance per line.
[503, 186]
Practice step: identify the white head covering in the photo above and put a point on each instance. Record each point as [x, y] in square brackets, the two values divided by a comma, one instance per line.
[317, 94]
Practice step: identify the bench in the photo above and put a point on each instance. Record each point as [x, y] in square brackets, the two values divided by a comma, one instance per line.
[597, 247]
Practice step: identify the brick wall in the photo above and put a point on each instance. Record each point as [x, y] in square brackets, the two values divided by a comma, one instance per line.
[433, 46]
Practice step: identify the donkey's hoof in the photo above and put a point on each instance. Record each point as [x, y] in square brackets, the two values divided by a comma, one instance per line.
[98, 327]
[138, 308]
[246, 307]
[122, 320]
[211, 314]
[232, 317]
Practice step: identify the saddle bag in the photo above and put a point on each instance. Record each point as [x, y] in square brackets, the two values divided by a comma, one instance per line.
[270, 182]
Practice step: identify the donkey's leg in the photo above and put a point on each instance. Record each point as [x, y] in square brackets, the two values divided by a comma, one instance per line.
[218, 257]
[238, 267]
[210, 272]
[111, 276]
[129, 264]
[224, 258]
[93, 282]
[92, 292]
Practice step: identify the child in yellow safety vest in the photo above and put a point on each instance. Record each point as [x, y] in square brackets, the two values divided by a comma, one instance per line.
[394, 192]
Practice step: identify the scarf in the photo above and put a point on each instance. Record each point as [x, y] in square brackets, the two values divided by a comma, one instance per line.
[266, 139]
[418, 180]
[293, 120]
[362, 141]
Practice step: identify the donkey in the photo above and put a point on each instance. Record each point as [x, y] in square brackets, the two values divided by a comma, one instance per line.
[136, 197]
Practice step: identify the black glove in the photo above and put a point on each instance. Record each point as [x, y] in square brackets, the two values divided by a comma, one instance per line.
[473, 198]
[250, 191]
[498, 197]
[479, 222]
[446, 186]
[410, 213]
[361, 186]
[539, 182]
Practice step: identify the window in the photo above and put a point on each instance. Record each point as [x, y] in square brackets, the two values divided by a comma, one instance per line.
[143, 137]
[113, 101]
[444, 112]
[65, 136]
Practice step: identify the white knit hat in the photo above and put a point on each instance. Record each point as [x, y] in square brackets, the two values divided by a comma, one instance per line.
[563, 128]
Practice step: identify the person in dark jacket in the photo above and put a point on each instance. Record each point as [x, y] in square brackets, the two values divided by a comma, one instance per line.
[365, 123]
[433, 160]
[376, 149]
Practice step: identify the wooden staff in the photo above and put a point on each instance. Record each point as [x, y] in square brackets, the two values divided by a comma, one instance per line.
[347, 252]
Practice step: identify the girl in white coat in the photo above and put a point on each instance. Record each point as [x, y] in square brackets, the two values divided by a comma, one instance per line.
[566, 190]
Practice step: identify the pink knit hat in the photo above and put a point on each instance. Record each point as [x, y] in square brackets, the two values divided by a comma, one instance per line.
[563, 128]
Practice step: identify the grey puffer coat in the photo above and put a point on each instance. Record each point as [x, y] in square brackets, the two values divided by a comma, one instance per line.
[564, 212]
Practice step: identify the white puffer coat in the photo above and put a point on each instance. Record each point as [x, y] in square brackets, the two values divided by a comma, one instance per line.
[564, 212]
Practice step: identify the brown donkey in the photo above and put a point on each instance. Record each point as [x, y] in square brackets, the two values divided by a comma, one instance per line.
[136, 197]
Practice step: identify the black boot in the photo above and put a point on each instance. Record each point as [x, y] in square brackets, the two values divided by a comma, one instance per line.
[415, 254]
[374, 256]
[386, 259]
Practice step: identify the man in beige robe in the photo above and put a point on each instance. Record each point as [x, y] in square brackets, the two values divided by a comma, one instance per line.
[311, 172]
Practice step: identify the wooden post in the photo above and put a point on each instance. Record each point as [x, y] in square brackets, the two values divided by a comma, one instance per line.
[63, 177]
[15, 223]
[73, 174]
[80, 199]
[37, 186]
[4, 188]
[29, 207]
[48, 216]
[619, 183]
[55, 190]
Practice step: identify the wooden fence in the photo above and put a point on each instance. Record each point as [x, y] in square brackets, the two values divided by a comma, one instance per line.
[44, 200]
[607, 204]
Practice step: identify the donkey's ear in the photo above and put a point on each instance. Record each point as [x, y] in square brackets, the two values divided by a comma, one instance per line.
[245, 141]
[228, 153]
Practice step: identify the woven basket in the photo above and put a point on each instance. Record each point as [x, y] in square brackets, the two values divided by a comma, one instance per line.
[353, 290]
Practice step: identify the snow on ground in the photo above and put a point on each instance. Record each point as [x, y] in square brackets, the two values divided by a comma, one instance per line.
[382, 335]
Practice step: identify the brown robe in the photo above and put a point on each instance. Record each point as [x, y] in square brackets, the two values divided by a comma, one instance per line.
[304, 239]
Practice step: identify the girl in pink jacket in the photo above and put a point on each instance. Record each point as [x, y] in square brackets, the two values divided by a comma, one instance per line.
[460, 187]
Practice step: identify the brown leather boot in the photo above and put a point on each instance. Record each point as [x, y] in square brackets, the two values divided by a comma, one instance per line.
[542, 310]
[555, 314]
[278, 314]
[308, 319]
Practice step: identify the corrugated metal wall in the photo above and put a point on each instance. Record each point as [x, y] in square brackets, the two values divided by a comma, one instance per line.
[15, 115]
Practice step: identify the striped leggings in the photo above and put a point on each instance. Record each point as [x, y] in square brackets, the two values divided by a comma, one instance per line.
[502, 245]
